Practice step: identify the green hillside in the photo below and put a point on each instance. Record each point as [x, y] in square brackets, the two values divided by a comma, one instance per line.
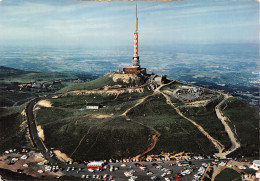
[206, 117]
[103, 131]
[83, 133]
[176, 133]
[18, 87]
[228, 175]
[97, 83]
[106, 80]
[12, 131]
[128, 119]
[245, 121]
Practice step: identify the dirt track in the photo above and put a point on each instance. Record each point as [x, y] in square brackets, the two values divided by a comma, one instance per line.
[220, 147]
[156, 134]
[223, 119]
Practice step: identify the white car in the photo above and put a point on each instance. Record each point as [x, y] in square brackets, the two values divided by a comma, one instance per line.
[142, 168]
[154, 178]
[134, 177]
[40, 171]
[91, 170]
[242, 167]
[163, 175]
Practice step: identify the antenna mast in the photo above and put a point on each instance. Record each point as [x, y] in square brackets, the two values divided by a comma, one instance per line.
[135, 59]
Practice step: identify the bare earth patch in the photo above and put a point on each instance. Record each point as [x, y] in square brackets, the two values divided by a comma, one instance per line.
[100, 116]
[23, 113]
[23, 124]
[62, 156]
[40, 132]
[44, 103]
[198, 103]
[124, 77]
[168, 156]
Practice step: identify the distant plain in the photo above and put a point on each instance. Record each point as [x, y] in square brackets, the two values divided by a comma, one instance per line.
[233, 68]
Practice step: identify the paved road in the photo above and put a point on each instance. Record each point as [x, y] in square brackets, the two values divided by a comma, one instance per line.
[34, 133]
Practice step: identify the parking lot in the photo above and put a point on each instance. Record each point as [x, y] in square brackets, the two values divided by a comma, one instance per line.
[139, 170]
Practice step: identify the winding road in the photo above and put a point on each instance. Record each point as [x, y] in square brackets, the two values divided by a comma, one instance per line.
[37, 141]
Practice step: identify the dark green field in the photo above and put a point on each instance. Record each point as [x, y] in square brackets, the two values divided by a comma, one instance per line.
[177, 134]
[12, 134]
[228, 175]
[111, 137]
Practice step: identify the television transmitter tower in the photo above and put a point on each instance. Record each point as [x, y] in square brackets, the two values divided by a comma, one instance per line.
[135, 60]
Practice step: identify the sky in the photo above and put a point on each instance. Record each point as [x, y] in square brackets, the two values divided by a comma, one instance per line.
[78, 23]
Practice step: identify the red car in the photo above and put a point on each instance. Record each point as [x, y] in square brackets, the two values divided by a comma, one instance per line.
[177, 175]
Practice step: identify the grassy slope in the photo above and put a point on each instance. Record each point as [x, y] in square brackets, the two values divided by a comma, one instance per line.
[101, 82]
[95, 84]
[113, 104]
[206, 117]
[246, 120]
[228, 175]
[177, 134]
[117, 138]
[8, 98]
[11, 135]
[68, 122]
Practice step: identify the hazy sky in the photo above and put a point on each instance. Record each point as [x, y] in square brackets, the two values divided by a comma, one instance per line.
[77, 23]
